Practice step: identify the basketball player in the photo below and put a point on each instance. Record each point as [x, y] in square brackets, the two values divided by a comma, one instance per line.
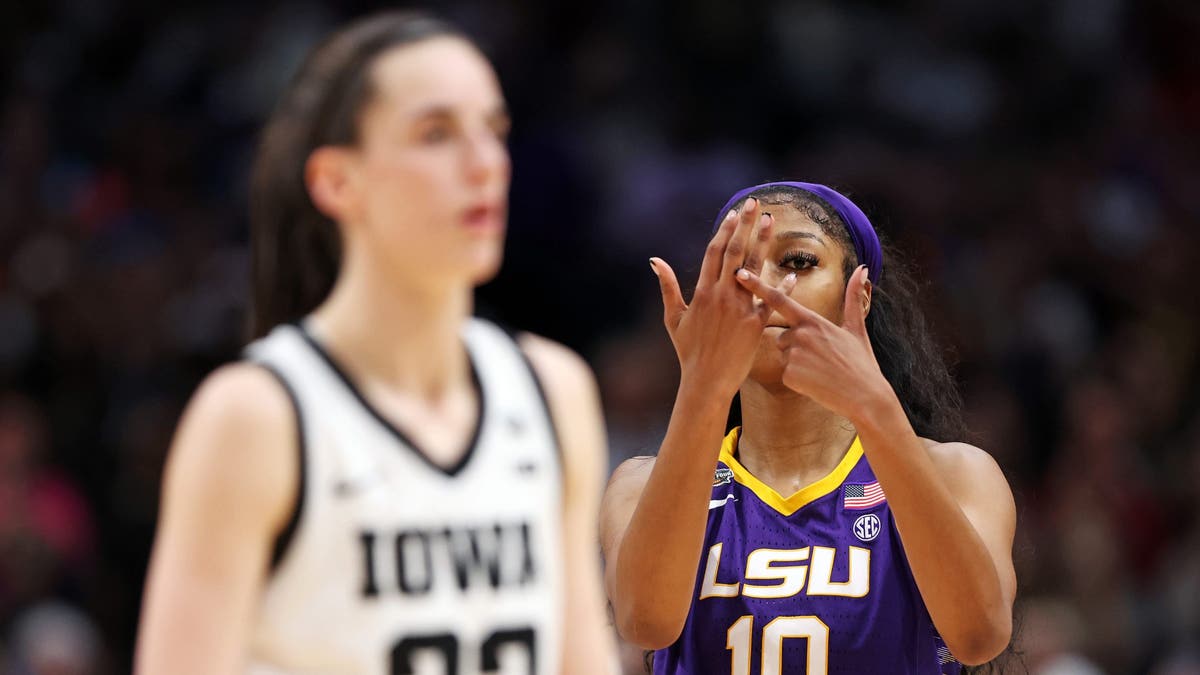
[835, 536]
[381, 485]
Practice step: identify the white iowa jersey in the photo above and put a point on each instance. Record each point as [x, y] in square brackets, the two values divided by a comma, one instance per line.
[396, 565]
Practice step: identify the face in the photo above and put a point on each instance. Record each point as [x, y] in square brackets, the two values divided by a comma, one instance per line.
[818, 261]
[425, 191]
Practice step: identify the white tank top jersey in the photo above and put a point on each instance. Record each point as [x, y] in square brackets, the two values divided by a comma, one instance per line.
[392, 564]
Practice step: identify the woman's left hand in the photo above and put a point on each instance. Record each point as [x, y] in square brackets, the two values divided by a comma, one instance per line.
[832, 364]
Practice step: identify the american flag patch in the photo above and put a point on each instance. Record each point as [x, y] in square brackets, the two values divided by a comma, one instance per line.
[863, 495]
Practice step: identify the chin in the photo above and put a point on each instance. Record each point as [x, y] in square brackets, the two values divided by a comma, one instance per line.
[767, 368]
[485, 267]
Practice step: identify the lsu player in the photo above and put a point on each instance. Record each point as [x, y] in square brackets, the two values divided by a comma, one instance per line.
[839, 529]
[384, 485]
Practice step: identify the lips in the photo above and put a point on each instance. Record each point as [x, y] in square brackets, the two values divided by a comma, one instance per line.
[484, 217]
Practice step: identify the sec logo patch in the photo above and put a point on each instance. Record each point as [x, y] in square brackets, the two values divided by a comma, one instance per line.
[867, 527]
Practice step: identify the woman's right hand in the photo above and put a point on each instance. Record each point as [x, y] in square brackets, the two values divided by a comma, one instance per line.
[715, 337]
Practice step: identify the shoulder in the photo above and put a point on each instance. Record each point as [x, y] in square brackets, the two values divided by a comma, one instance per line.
[237, 441]
[560, 369]
[574, 406]
[631, 474]
[245, 398]
[973, 475]
[243, 389]
[625, 488]
[568, 384]
[961, 460]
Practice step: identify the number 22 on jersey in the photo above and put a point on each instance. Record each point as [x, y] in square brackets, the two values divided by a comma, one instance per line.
[446, 645]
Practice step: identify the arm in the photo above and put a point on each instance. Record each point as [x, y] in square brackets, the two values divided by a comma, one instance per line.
[957, 520]
[621, 497]
[952, 505]
[575, 405]
[655, 515]
[229, 486]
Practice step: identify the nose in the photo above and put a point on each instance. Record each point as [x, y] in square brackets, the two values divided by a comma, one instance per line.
[486, 157]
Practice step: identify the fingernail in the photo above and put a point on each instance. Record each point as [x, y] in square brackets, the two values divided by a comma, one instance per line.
[790, 278]
[732, 214]
[653, 267]
[750, 203]
[743, 274]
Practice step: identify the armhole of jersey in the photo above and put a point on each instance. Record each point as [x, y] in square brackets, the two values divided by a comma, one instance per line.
[284, 539]
[537, 383]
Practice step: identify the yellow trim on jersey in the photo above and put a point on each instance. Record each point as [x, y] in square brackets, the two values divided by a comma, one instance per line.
[789, 505]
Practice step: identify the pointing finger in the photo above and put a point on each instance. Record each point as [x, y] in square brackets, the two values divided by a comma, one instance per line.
[792, 311]
[785, 287]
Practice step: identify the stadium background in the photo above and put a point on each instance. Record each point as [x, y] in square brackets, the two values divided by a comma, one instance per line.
[1040, 161]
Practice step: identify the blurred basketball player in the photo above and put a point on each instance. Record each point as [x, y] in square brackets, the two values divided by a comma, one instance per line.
[384, 484]
[833, 536]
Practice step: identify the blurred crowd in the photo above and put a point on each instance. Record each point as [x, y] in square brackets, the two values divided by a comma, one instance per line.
[1038, 164]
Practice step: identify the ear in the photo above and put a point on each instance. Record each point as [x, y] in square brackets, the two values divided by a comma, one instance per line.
[857, 302]
[328, 176]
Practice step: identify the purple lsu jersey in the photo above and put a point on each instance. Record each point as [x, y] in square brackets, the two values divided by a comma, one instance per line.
[813, 583]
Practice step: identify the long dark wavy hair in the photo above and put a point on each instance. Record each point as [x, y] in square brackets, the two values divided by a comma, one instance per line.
[296, 249]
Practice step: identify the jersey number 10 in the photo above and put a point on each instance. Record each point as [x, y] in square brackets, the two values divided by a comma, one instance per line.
[737, 640]
[446, 644]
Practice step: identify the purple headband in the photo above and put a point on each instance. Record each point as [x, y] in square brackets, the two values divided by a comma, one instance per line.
[866, 242]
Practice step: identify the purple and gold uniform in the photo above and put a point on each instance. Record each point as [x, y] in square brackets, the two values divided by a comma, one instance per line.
[813, 583]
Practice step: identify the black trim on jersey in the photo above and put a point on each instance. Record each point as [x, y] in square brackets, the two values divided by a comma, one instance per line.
[284, 539]
[537, 383]
[462, 462]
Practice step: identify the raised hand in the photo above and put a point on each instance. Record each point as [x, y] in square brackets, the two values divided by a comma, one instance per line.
[715, 337]
[832, 364]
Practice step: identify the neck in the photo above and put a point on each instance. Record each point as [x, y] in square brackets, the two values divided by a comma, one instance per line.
[788, 440]
[404, 336]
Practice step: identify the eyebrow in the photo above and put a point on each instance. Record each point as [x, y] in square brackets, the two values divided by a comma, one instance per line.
[499, 112]
[795, 234]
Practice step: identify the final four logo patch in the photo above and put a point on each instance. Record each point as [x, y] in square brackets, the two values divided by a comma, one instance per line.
[722, 476]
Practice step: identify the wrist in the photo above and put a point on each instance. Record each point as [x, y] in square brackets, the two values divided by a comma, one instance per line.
[878, 406]
[698, 396]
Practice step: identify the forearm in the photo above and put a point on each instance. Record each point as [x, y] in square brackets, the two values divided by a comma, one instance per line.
[953, 569]
[660, 550]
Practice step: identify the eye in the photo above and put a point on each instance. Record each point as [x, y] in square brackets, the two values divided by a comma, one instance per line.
[436, 134]
[799, 260]
[501, 127]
